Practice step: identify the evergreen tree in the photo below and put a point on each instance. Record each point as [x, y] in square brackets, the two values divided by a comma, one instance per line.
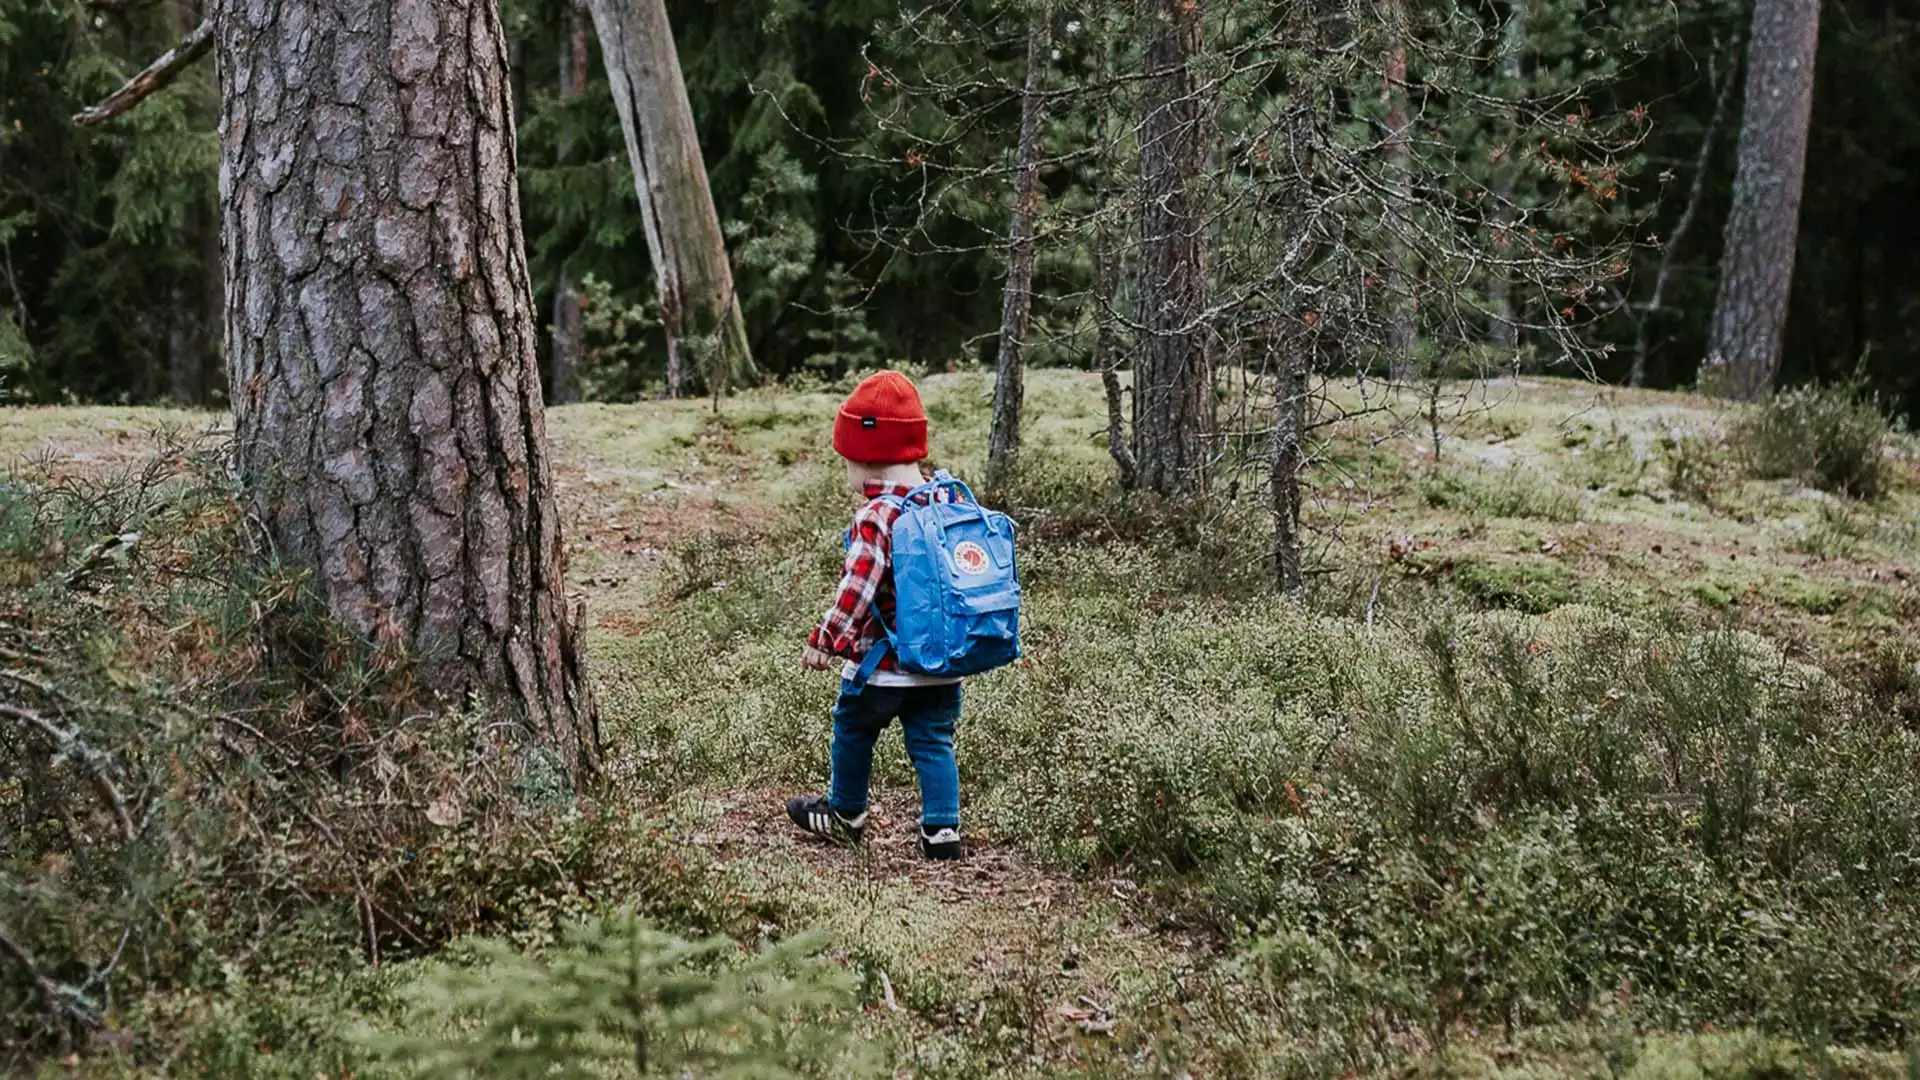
[105, 278]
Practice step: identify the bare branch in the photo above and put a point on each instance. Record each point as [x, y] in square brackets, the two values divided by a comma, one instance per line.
[68, 743]
[1638, 375]
[66, 999]
[156, 77]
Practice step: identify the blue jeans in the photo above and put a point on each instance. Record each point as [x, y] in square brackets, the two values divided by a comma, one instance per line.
[927, 715]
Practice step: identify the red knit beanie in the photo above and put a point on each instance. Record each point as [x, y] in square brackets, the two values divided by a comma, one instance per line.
[882, 422]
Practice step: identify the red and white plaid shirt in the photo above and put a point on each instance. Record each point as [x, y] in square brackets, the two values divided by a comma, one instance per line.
[853, 624]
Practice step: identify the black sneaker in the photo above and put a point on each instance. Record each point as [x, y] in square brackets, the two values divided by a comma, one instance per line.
[941, 842]
[814, 814]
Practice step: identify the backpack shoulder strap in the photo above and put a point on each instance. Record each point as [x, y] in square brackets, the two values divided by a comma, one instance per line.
[943, 481]
[870, 663]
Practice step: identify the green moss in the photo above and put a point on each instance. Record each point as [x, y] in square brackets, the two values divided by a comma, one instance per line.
[1510, 493]
[1524, 583]
[1712, 593]
[1807, 594]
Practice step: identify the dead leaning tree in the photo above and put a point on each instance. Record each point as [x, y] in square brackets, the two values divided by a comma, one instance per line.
[388, 421]
[698, 305]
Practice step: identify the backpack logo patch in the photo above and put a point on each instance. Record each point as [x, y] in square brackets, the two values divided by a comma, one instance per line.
[970, 558]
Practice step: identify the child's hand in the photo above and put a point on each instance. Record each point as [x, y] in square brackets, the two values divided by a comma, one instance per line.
[815, 659]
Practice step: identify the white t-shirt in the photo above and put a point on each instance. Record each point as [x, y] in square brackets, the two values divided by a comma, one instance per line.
[851, 672]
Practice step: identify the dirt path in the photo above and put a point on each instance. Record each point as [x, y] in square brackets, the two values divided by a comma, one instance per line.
[992, 951]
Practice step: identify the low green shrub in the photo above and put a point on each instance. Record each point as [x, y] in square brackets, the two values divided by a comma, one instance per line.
[1698, 463]
[1508, 493]
[1604, 461]
[1516, 815]
[1199, 548]
[1528, 583]
[1572, 1053]
[1832, 437]
[1838, 531]
[617, 996]
[198, 767]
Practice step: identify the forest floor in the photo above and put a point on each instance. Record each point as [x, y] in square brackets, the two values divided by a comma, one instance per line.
[1072, 942]
[1547, 493]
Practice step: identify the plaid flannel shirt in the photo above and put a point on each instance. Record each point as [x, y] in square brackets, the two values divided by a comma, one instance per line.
[853, 623]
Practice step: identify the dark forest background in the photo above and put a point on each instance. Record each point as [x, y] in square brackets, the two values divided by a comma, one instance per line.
[109, 246]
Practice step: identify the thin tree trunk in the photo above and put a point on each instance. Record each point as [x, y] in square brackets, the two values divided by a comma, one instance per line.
[183, 366]
[1016, 300]
[1289, 462]
[697, 303]
[1106, 267]
[568, 332]
[196, 309]
[1502, 331]
[381, 337]
[1402, 305]
[204, 228]
[1637, 374]
[1756, 263]
[1171, 381]
[1106, 354]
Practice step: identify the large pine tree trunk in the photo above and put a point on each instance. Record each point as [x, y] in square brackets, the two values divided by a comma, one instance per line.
[1756, 263]
[697, 303]
[1016, 302]
[568, 332]
[1172, 413]
[381, 342]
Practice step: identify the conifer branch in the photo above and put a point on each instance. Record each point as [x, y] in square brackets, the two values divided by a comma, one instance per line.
[156, 77]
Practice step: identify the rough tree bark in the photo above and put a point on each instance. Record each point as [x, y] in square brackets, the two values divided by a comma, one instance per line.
[697, 303]
[1016, 301]
[1172, 413]
[1756, 263]
[381, 342]
[1402, 307]
[1502, 331]
[568, 332]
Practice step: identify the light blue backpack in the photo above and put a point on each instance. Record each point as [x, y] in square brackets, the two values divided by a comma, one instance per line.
[955, 586]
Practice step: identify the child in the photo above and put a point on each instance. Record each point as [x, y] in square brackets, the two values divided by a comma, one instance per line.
[882, 433]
